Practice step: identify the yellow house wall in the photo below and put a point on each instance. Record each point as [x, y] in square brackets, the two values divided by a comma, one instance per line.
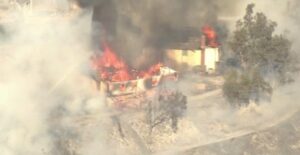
[211, 57]
[192, 58]
[189, 57]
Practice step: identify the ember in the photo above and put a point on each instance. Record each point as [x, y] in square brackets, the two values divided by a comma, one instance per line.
[111, 68]
[210, 35]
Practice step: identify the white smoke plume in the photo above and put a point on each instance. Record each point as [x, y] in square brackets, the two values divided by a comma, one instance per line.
[44, 85]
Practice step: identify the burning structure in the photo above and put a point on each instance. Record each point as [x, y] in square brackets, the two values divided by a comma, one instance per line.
[127, 64]
[117, 78]
[203, 56]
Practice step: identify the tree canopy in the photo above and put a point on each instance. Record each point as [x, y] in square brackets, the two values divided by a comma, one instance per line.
[263, 55]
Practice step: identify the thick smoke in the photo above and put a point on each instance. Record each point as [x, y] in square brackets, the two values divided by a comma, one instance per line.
[44, 89]
[141, 30]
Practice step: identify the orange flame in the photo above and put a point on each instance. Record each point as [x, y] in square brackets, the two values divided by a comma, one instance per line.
[153, 70]
[210, 35]
[111, 68]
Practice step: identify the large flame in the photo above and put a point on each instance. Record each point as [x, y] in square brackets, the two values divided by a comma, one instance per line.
[111, 68]
[210, 35]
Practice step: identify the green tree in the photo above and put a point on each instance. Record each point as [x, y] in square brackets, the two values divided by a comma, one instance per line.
[263, 56]
[242, 87]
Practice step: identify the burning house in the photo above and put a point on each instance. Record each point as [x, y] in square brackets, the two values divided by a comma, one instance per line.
[117, 78]
[197, 54]
[119, 72]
